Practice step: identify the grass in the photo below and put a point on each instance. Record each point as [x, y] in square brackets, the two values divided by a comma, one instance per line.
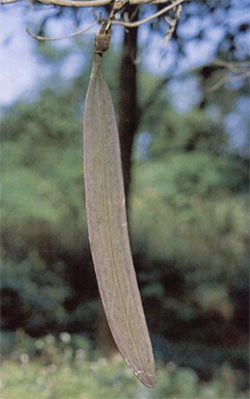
[67, 368]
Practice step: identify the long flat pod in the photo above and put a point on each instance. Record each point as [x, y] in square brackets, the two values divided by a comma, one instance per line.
[107, 228]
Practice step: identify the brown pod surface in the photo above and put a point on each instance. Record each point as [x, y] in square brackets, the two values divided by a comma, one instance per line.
[107, 229]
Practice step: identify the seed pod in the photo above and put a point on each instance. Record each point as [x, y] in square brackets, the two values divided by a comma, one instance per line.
[107, 229]
[102, 42]
[102, 39]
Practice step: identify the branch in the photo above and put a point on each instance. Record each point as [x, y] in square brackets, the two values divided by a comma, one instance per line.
[173, 23]
[3, 2]
[90, 3]
[236, 66]
[66, 3]
[75, 3]
[233, 72]
[151, 17]
[141, 2]
[48, 38]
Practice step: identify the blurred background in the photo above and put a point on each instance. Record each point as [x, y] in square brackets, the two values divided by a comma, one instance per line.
[184, 137]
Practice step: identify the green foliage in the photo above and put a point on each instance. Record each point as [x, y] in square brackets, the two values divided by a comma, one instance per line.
[66, 366]
[194, 130]
[42, 163]
[43, 212]
[192, 244]
[35, 287]
[186, 210]
[188, 213]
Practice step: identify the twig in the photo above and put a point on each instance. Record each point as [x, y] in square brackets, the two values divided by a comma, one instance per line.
[75, 3]
[151, 17]
[141, 2]
[242, 75]
[117, 6]
[217, 84]
[172, 23]
[226, 79]
[232, 66]
[3, 2]
[77, 33]
[233, 72]
[99, 19]
[87, 3]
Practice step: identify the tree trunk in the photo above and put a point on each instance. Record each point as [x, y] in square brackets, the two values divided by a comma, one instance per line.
[128, 107]
[128, 123]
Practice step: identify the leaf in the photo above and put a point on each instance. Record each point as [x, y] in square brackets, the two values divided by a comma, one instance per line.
[107, 228]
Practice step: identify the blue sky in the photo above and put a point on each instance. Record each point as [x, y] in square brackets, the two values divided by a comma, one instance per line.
[17, 72]
[21, 70]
